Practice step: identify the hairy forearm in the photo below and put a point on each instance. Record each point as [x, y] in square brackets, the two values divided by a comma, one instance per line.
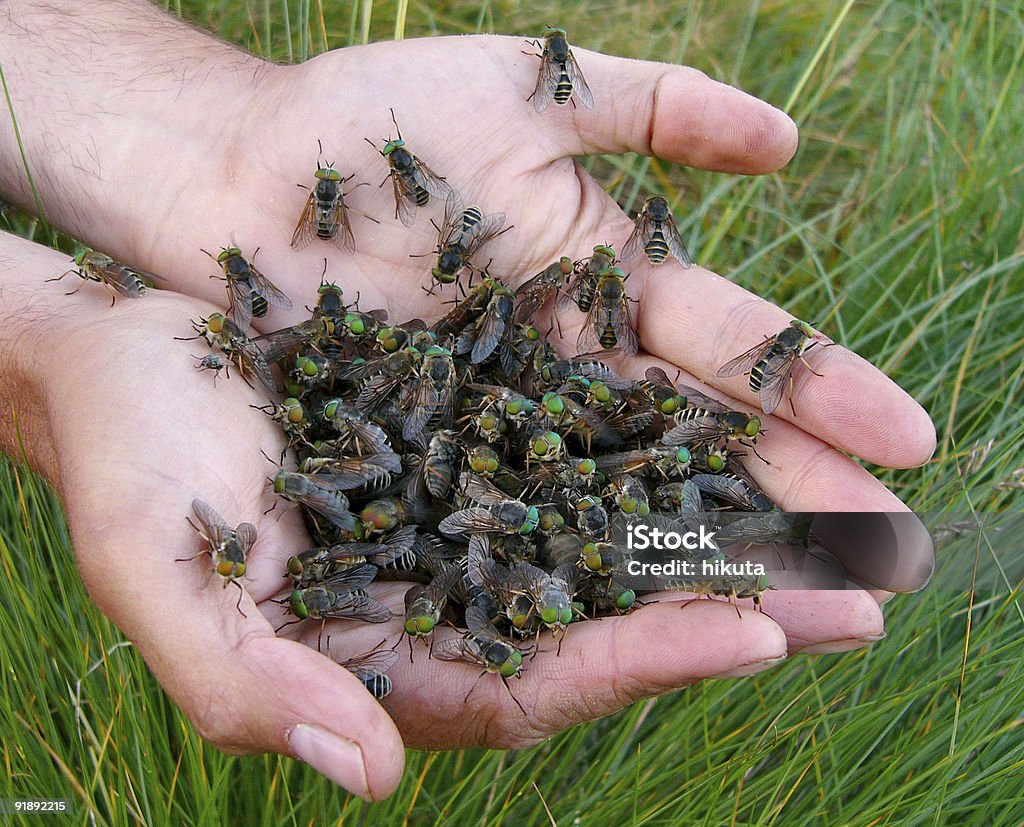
[104, 95]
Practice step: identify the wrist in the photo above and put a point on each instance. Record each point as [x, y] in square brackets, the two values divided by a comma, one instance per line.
[31, 322]
[162, 103]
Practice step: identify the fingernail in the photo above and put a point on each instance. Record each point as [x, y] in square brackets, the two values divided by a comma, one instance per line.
[331, 755]
[750, 668]
[832, 647]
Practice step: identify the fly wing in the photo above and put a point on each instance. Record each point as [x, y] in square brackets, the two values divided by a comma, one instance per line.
[360, 607]
[480, 233]
[675, 244]
[252, 358]
[547, 82]
[429, 180]
[643, 229]
[469, 521]
[240, 303]
[580, 89]
[246, 536]
[325, 500]
[745, 361]
[280, 343]
[455, 649]
[262, 285]
[405, 199]
[303, 234]
[533, 294]
[589, 340]
[703, 428]
[215, 528]
[489, 333]
[123, 279]
[451, 224]
[419, 405]
[778, 368]
[371, 664]
[343, 239]
[480, 489]
[348, 580]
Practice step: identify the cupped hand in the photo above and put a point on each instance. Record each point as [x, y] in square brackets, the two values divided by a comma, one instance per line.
[461, 104]
[148, 433]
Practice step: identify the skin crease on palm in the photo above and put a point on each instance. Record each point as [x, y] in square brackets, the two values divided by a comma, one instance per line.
[461, 105]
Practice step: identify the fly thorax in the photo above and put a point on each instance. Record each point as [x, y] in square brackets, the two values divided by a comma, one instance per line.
[451, 259]
[401, 160]
[327, 192]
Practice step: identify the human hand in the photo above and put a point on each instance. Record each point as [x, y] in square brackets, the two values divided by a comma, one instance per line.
[518, 163]
[132, 446]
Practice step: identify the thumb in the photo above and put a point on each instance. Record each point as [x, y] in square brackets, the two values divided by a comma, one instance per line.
[276, 695]
[245, 690]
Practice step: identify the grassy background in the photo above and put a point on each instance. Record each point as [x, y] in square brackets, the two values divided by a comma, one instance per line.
[902, 213]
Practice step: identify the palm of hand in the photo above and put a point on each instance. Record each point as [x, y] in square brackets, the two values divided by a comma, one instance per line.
[205, 443]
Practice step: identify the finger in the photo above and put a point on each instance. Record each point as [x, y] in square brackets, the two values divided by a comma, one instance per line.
[244, 689]
[603, 666]
[699, 321]
[802, 473]
[673, 112]
[825, 622]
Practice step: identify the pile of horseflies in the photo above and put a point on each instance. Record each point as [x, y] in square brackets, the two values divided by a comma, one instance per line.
[465, 456]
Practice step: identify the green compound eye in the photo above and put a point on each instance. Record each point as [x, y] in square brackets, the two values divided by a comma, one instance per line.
[643, 509]
[551, 520]
[626, 599]
[553, 403]
[532, 520]
[670, 406]
[293, 410]
[627, 505]
[546, 444]
[328, 174]
[715, 463]
[519, 621]
[306, 366]
[549, 616]
[331, 408]
[420, 625]
[601, 392]
[280, 482]
[592, 557]
[295, 567]
[297, 605]
[510, 667]
[215, 324]
[586, 467]
[532, 334]
[565, 616]
[753, 427]
[683, 456]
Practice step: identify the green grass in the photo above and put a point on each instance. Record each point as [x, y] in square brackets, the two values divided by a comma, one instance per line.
[902, 214]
